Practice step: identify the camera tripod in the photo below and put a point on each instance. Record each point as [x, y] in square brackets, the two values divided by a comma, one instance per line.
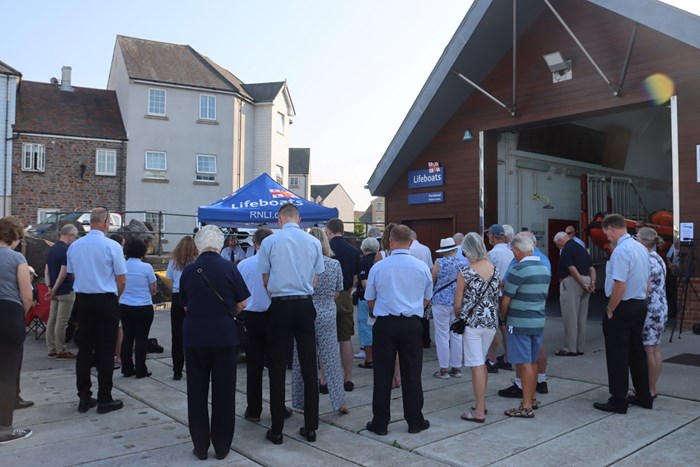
[687, 271]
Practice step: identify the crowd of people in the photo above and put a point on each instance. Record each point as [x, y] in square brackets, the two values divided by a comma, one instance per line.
[288, 301]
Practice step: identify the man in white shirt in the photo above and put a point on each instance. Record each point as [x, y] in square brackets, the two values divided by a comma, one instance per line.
[422, 252]
[501, 257]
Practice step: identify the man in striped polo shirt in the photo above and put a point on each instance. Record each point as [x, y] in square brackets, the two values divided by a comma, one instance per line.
[522, 308]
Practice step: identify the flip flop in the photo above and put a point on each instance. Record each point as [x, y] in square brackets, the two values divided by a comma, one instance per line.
[471, 418]
[366, 364]
[486, 411]
[565, 353]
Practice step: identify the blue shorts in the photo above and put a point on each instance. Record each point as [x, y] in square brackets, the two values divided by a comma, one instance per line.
[522, 348]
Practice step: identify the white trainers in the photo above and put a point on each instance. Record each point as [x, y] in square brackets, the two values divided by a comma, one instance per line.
[15, 435]
[360, 354]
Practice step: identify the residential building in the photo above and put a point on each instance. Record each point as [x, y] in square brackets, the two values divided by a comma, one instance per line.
[69, 149]
[299, 172]
[334, 195]
[196, 132]
[9, 80]
[374, 215]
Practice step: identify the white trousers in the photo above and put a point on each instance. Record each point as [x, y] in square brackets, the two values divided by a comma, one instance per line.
[448, 344]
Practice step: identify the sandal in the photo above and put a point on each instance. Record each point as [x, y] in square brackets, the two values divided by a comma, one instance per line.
[520, 412]
[486, 411]
[366, 364]
[343, 411]
[468, 416]
[441, 375]
[565, 353]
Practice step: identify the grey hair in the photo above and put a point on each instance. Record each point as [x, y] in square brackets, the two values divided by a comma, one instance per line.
[532, 236]
[321, 236]
[560, 236]
[509, 231]
[523, 242]
[647, 236]
[374, 232]
[209, 238]
[414, 235]
[69, 229]
[473, 247]
[369, 245]
[458, 238]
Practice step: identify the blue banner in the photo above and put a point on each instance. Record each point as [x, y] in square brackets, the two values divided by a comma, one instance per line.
[425, 198]
[426, 178]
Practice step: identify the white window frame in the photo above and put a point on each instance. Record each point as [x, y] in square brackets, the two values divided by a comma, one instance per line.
[165, 102]
[280, 123]
[43, 213]
[156, 172]
[294, 181]
[35, 159]
[279, 174]
[108, 165]
[380, 206]
[207, 107]
[205, 175]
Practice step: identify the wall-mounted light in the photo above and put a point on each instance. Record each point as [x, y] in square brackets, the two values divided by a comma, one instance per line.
[468, 136]
[82, 169]
[560, 68]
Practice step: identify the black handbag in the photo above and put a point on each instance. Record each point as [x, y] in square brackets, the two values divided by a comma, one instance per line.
[240, 325]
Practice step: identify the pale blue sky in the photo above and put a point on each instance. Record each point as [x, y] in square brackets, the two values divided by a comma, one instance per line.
[353, 68]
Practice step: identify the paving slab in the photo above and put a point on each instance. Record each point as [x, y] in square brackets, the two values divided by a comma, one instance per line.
[679, 447]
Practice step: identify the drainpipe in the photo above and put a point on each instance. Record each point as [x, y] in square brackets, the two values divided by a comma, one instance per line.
[7, 142]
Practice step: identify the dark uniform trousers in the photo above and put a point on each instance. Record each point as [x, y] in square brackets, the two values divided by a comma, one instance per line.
[296, 318]
[624, 351]
[177, 316]
[98, 318]
[256, 323]
[11, 348]
[219, 365]
[402, 335]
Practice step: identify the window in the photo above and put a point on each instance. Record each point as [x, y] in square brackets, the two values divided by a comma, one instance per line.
[106, 163]
[206, 167]
[280, 122]
[42, 214]
[207, 107]
[279, 174]
[294, 181]
[156, 165]
[380, 207]
[380, 220]
[156, 102]
[156, 220]
[33, 157]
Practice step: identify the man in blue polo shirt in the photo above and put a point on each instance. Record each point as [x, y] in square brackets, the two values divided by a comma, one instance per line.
[399, 287]
[290, 262]
[99, 268]
[523, 309]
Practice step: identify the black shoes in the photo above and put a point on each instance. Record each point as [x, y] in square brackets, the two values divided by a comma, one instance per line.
[349, 386]
[502, 364]
[249, 417]
[86, 403]
[104, 407]
[417, 429]
[201, 457]
[542, 387]
[490, 367]
[610, 407]
[143, 375]
[177, 376]
[310, 435]
[513, 392]
[22, 404]
[288, 412]
[634, 400]
[370, 427]
[274, 438]
[323, 388]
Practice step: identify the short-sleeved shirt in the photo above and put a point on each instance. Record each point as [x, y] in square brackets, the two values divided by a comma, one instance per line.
[174, 275]
[139, 276]
[234, 254]
[349, 258]
[629, 263]
[9, 262]
[575, 255]
[95, 260]
[209, 321]
[259, 300]
[366, 264]
[447, 274]
[292, 258]
[579, 242]
[527, 286]
[399, 284]
[501, 257]
[421, 252]
[55, 259]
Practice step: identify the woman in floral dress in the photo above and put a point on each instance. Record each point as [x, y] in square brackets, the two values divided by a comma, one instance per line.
[657, 307]
[329, 283]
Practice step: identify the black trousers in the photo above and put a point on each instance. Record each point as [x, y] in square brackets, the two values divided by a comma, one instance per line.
[219, 365]
[672, 294]
[296, 318]
[136, 324]
[98, 318]
[177, 316]
[402, 335]
[425, 322]
[624, 351]
[11, 349]
[256, 323]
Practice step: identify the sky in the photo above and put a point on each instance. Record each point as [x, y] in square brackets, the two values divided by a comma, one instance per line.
[353, 68]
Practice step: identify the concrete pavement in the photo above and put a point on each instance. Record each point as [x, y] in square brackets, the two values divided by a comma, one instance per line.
[152, 427]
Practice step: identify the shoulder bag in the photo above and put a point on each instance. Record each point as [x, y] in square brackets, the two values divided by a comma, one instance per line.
[240, 325]
[459, 324]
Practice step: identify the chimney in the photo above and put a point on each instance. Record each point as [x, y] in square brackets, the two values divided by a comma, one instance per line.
[65, 79]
